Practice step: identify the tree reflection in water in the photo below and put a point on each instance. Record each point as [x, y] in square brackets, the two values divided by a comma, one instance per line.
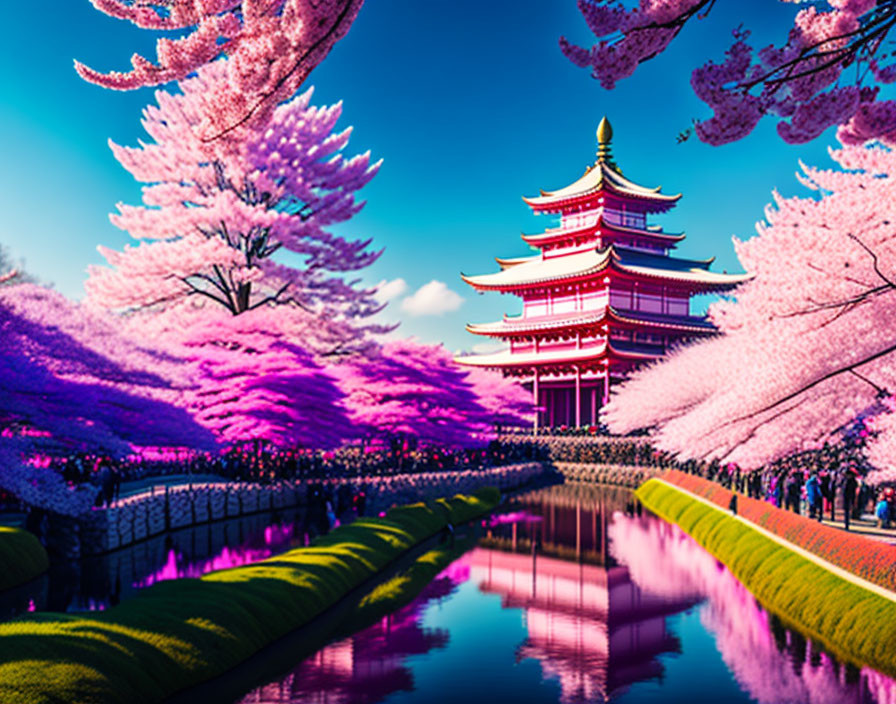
[772, 664]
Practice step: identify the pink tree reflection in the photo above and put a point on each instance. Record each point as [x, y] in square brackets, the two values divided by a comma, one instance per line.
[664, 560]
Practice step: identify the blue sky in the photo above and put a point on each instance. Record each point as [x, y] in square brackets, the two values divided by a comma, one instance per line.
[470, 104]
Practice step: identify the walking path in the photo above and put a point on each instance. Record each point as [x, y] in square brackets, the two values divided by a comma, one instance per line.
[148, 484]
[812, 557]
[866, 527]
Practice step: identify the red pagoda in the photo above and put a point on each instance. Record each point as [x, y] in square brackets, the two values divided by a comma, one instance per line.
[602, 296]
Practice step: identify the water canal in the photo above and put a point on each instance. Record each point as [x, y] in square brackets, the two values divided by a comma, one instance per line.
[576, 597]
[96, 583]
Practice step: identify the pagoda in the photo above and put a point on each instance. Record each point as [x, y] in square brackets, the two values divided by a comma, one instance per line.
[602, 296]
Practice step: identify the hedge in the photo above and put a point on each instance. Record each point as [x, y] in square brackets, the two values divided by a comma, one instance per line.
[854, 624]
[22, 557]
[176, 634]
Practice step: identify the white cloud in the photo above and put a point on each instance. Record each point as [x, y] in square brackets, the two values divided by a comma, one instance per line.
[434, 298]
[387, 290]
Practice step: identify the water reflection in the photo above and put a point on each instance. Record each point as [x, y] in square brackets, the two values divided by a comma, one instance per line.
[371, 664]
[99, 582]
[773, 665]
[591, 603]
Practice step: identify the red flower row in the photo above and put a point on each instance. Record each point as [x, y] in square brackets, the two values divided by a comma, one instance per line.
[863, 557]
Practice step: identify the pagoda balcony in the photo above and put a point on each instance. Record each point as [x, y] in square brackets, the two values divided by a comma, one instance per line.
[571, 325]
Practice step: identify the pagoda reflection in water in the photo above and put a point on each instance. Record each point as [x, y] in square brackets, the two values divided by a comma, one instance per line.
[371, 664]
[589, 625]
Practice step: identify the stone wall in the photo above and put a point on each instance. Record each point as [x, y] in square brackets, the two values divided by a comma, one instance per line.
[615, 474]
[144, 515]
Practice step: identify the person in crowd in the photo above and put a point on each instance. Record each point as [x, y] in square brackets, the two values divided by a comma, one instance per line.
[882, 512]
[850, 486]
[813, 497]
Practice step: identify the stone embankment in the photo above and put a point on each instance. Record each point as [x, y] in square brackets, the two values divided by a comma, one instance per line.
[614, 474]
[162, 509]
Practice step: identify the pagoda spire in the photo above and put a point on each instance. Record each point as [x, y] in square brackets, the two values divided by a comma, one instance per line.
[604, 138]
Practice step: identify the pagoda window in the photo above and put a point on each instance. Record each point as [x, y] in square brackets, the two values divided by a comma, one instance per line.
[579, 220]
[565, 304]
[618, 217]
[621, 298]
[677, 306]
[649, 301]
[535, 307]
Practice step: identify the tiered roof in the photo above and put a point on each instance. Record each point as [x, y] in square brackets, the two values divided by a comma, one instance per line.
[603, 254]
[516, 326]
[604, 175]
[612, 349]
[539, 270]
[605, 230]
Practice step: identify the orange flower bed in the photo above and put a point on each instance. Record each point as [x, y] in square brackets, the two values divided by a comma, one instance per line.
[863, 557]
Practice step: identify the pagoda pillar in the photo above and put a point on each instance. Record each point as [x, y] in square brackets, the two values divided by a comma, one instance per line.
[606, 398]
[535, 396]
[578, 396]
[594, 405]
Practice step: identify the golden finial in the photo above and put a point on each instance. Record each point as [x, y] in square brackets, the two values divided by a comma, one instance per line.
[604, 132]
[604, 137]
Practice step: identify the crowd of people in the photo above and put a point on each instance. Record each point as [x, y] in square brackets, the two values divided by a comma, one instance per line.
[255, 462]
[816, 483]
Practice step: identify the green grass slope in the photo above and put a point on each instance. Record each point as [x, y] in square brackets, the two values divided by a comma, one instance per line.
[22, 557]
[179, 633]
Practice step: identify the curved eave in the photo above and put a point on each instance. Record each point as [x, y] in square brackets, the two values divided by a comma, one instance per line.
[632, 354]
[696, 279]
[552, 202]
[558, 235]
[506, 359]
[659, 235]
[703, 281]
[606, 228]
[507, 262]
[621, 317]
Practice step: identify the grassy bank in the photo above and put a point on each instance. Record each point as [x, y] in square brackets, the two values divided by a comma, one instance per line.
[22, 556]
[852, 623]
[179, 633]
[869, 559]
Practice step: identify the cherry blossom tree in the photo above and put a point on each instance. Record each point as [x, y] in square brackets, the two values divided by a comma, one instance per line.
[10, 271]
[270, 47]
[215, 229]
[807, 344]
[411, 389]
[254, 383]
[504, 400]
[825, 73]
[69, 380]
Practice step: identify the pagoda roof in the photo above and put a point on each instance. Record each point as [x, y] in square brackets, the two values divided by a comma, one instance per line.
[558, 233]
[507, 262]
[506, 358]
[519, 325]
[602, 175]
[540, 270]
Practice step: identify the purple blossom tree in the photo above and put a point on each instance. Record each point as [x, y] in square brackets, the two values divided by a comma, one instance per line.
[253, 383]
[70, 381]
[209, 278]
[213, 230]
[414, 390]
